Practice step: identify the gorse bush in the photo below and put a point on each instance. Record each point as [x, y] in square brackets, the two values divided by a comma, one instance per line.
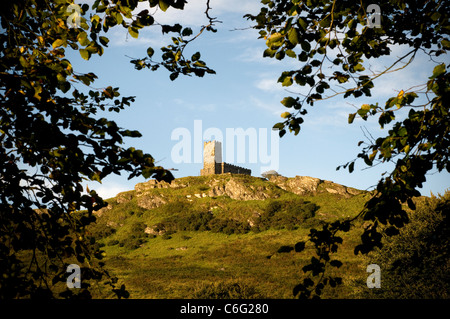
[202, 221]
[285, 214]
[278, 214]
[135, 237]
[137, 227]
[228, 226]
[193, 221]
[101, 230]
[133, 242]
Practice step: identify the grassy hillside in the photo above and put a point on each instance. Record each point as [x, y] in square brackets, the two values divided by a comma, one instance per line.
[198, 240]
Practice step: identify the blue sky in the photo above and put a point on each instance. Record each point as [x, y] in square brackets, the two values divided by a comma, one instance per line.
[243, 94]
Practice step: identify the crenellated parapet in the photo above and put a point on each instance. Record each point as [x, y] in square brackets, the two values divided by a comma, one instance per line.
[213, 164]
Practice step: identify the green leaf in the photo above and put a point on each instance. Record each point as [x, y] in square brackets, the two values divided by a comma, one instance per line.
[58, 43]
[274, 38]
[173, 76]
[85, 54]
[163, 5]
[288, 101]
[351, 167]
[196, 56]
[285, 114]
[104, 40]
[293, 36]
[150, 52]
[280, 55]
[118, 17]
[130, 133]
[302, 23]
[269, 53]
[446, 44]
[358, 67]
[351, 118]
[133, 32]
[306, 46]
[438, 70]
[278, 126]
[186, 32]
[291, 54]
[287, 81]
[83, 39]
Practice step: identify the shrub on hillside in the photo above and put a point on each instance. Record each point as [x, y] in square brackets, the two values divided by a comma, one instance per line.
[194, 221]
[280, 214]
[221, 290]
[135, 237]
[415, 264]
[100, 230]
[228, 226]
[138, 227]
[133, 242]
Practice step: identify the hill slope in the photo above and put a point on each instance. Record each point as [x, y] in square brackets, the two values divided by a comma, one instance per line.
[199, 236]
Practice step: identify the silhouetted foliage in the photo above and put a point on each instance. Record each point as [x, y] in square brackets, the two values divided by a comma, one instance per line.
[52, 138]
[331, 40]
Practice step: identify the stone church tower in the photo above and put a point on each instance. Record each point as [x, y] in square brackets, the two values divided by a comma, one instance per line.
[213, 164]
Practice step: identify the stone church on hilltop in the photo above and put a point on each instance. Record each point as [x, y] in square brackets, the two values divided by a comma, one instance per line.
[212, 161]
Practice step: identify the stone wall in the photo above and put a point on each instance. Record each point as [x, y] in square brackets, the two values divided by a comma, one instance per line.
[222, 168]
[233, 169]
[212, 161]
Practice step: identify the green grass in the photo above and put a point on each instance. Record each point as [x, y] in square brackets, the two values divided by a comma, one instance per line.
[178, 267]
[208, 257]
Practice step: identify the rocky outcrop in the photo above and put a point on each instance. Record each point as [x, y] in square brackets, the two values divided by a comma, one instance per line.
[305, 185]
[300, 185]
[238, 190]
[151, 184]
[149, 201]
[124, 197]
[236, 187]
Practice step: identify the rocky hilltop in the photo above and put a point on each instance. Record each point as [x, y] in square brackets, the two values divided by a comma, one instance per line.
[153, 194]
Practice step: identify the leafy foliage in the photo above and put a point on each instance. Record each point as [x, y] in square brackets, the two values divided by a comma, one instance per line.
[416, 263]
[52, 138]
[313, 32]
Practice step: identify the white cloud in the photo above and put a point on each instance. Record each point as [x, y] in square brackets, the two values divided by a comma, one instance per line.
[150, 37]
[230, 12]
[329, 115]
[274, 108]
[109, 189]
[193, 13]
[269, 85]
